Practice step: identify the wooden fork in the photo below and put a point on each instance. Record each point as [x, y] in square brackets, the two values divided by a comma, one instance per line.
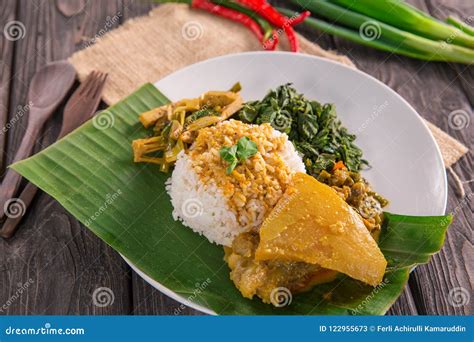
[81, 107]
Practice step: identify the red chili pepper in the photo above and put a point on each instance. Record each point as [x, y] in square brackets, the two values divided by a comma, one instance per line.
[299, 19]
[263, 8]
[292, 39]
[231, 14]
[272, 42]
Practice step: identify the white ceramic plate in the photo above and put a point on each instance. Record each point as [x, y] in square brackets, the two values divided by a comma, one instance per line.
[407, 167]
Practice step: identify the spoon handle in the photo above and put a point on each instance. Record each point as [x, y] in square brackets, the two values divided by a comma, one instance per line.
[12, 222]
[12, 179]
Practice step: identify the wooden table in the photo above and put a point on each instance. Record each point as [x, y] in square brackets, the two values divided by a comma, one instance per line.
[58, 263]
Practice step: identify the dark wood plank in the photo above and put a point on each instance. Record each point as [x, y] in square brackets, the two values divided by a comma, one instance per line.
[63, 263]
[463, 10]
[149, 301]
[405, 304]
[7, 17]
[146, 299]
[448, 277]
[136, 8]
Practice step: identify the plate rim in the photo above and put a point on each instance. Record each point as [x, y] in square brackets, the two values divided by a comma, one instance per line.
[208, 311]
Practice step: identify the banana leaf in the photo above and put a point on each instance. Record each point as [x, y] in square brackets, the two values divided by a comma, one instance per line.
[91, 173]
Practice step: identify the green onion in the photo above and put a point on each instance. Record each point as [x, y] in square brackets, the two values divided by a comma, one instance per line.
[356, 38]
[408, 18]
[460, 25]
[394, 39]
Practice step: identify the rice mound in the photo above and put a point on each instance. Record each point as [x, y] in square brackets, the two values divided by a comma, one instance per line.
[204, 208]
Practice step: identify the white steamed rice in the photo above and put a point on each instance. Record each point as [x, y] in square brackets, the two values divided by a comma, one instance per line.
[204, 208]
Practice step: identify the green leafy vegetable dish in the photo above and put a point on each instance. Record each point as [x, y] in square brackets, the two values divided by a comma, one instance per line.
[261, 205]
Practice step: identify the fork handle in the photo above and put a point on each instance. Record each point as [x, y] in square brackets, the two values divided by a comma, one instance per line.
[26, 197]
[12, 178]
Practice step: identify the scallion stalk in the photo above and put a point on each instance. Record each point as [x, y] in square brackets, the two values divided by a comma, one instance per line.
[356, 38]
[389, 35]
[460, 25]
[408, 18]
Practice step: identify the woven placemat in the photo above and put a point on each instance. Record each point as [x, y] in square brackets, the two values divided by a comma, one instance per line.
[173, 36]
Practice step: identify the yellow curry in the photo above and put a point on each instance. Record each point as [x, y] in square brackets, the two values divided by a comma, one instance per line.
[310, 236]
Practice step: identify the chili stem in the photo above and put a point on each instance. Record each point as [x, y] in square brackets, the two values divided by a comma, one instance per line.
[267, 29]
[265, 25]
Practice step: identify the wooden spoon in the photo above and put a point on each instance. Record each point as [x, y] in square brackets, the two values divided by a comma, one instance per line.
[47, 89]
[81, 106]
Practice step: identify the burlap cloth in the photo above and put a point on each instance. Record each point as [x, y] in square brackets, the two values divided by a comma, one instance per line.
[171, 37]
